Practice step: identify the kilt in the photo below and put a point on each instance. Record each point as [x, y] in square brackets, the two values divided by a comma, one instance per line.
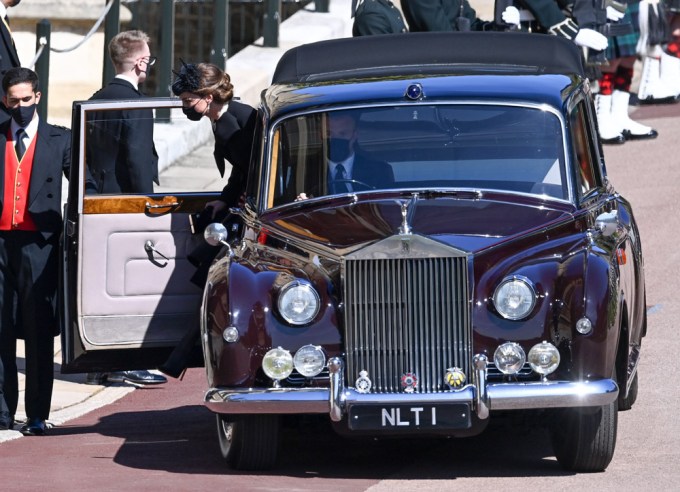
[623, 46]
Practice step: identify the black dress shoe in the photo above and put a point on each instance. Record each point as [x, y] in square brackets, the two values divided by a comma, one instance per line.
[659, 100]
[34, 427]
[142, 378]
[619, 139]
[644, 136]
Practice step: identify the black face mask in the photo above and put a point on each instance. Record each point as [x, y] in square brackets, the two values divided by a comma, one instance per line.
[337, 149]
[23, 114]
[192, 114]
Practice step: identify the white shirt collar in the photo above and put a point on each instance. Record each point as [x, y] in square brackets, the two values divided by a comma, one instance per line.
[3, 10]
[129, 79]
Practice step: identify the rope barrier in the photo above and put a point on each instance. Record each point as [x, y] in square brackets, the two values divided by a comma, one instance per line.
[96, 25]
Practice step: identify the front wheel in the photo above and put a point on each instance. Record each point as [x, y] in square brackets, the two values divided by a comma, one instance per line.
[249, 442]
[584, 438]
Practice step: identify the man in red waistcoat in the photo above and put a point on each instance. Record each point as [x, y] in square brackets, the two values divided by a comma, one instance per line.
[33, 156]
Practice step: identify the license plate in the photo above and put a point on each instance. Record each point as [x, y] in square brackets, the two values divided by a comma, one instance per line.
[406, 417]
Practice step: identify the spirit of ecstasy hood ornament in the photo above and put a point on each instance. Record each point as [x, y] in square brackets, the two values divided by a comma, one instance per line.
[408, 208]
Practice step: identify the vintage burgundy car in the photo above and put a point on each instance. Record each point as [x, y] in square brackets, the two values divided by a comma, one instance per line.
[469, 259]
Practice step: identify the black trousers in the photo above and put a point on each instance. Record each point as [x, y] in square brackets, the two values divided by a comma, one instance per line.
[28, 290]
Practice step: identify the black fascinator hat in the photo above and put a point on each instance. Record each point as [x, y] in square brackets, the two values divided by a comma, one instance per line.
[188, 79]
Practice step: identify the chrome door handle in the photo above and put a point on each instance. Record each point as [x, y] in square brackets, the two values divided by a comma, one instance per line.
[150, 249]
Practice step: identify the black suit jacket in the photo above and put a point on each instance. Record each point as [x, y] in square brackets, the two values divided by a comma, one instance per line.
[441, 15]
[365, 169]
[52, 158]
[8, 53]
[234, 133]
[120, 150]
[377, 17]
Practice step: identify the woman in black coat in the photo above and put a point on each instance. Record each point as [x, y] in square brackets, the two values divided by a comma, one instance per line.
[206, 90]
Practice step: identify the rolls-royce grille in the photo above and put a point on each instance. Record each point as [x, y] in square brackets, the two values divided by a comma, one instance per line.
[406, 316]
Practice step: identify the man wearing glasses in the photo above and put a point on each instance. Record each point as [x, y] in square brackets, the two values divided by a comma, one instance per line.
[120, 151]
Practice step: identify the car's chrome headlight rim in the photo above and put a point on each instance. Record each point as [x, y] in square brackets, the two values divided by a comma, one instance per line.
[544, 358]
[515, 297]
[309, 360]
[298, 302]
[277, 363]
[509, 358]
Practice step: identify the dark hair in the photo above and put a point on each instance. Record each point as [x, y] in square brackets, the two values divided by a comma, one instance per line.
[20, 75]
[204, 79]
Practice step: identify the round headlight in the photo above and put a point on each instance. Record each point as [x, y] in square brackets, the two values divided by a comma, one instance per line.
[509, 358]
[298, 303]
[514, 298]
[277, 364]
[544, 358]
[309, 360]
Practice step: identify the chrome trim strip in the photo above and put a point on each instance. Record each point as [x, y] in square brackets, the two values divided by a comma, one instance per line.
[552, 394]
[501, 396]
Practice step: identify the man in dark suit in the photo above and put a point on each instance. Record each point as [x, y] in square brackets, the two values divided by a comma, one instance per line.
[34, 156]
[8, 52]
[349, 168]
[120, 151]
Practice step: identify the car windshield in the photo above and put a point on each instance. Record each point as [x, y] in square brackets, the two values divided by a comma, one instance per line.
[478, 146]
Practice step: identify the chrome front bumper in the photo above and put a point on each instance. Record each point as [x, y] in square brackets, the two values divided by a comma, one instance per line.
[482, 396]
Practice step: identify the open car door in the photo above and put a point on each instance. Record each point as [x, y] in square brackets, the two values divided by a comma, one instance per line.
[127, 295]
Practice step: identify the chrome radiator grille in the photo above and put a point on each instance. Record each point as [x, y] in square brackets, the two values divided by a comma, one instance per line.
[406, 316]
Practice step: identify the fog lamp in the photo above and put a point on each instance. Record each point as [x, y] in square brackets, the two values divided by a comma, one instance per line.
[584, 326]
[298, 303]
[509, 358]
[544, 358]
[230, 334]
[277, 364]
[309, 360]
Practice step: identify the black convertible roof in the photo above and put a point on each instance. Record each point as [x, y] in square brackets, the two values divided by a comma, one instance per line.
[429, 53]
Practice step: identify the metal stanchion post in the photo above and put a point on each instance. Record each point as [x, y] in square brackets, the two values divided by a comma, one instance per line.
[272, 20]
[165, 60]
[220, 47]
[321, 5]
[43, 31]
[111, 28]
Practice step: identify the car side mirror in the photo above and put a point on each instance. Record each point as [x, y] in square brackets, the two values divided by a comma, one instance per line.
[216, 234]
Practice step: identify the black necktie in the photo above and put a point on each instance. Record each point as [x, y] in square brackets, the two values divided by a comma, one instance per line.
[19, 144]
[339, 184]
